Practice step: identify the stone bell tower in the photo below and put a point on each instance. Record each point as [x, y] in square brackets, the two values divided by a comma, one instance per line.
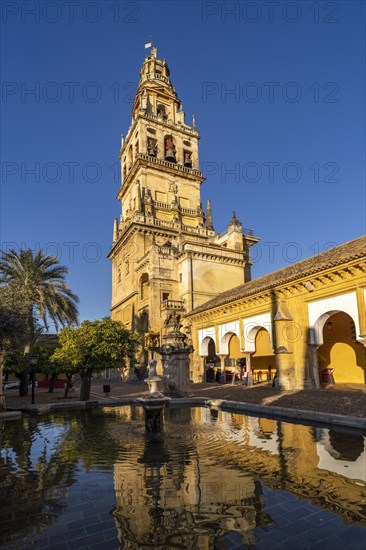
[166, 257]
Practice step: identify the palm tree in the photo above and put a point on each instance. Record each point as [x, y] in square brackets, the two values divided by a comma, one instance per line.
[39, 280]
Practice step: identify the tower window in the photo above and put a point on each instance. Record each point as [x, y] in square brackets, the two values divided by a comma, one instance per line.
[180, 277]
[165, 296]
[144, 285]
[144, 321]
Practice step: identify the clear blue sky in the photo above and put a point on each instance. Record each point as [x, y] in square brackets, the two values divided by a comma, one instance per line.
[292, 130]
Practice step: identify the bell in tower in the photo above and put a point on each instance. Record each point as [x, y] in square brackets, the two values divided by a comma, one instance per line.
[152, 147]
[187, 159]
[170, 149]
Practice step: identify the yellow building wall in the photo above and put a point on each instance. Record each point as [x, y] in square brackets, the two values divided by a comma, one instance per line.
[263, 357]
[234, 348]
[303, 360]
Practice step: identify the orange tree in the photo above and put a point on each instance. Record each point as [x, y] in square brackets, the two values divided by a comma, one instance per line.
[93, 347]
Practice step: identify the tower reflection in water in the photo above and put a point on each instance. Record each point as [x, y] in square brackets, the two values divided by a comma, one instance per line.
[214, 476]
[206, 478]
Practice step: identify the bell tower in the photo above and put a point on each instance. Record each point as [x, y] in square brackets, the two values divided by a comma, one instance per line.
[166, 257]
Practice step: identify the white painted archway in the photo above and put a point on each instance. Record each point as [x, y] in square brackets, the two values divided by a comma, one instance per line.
[251, 336]
[321, 310]
[251, 327]
[226, 331]
[204, 337]
[204, 345]
[225, 340]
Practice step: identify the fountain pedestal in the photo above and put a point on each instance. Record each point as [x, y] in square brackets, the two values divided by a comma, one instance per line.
[153, 403]
[175, 359]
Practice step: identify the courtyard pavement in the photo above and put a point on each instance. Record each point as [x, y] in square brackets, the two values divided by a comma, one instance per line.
[344, 400]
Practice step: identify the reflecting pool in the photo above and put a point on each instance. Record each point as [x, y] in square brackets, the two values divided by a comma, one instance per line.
[220, 480]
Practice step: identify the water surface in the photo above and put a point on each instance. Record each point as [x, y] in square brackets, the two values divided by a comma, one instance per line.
[91, 479]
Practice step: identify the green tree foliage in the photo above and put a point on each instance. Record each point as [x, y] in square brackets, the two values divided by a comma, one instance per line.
[12, 329]
[13, 322]
[37, 281]
[93, 347]
[44, 349]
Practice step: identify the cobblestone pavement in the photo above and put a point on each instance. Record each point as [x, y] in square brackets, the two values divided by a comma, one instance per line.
[347, 402]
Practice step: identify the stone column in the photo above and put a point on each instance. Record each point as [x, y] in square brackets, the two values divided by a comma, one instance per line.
[143, 139]
[204, 366]
[315, 364]
[314, 358]
[161, 144]
[285, 368]
[223, 372]
[248, 380]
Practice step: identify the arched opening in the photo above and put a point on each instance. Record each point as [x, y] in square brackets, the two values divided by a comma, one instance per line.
[263, 358]
[161, 111]
[235, 363]
[211, 361]
[266, 428]
[340, 352]
[144, 322]
[152, 147]
[144, 286]
[346, 447]
[187, 155]
[225, 341]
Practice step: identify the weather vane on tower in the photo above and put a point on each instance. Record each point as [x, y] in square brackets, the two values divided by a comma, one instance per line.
[153, 48]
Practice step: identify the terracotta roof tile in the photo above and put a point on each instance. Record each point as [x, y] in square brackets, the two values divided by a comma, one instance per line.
[330, 258]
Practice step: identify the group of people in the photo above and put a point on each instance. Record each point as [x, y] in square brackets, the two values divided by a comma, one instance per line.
[238, 375]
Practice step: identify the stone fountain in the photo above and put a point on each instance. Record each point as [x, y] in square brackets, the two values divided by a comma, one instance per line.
[175, 358]
[153, 401]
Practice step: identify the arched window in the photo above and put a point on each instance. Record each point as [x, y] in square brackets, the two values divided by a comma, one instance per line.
[144, 286]
[144, 321]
